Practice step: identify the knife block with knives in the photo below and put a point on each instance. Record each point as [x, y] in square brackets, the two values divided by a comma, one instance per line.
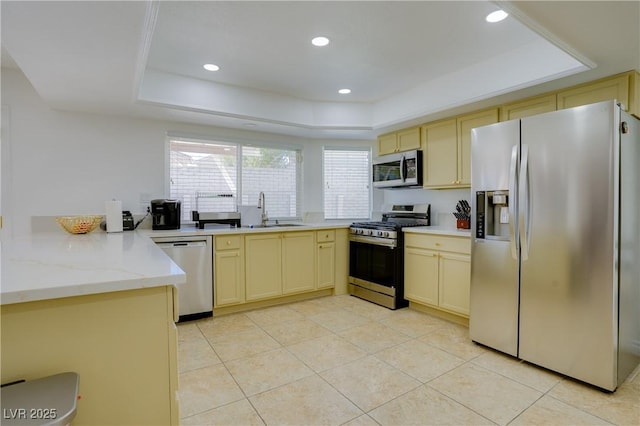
[463, 215]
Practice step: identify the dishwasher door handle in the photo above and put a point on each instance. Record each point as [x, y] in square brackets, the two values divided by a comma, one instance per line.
[183, 244]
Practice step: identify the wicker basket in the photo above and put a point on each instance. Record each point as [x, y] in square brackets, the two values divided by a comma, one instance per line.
[79, 224]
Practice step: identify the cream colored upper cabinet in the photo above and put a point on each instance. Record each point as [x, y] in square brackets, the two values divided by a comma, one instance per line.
[601, 90]
[465, 124]
[440, 159]
[298, 262]
[528, 107]
[387, 144]
[263, 266]
[403, 140]
[447, 149]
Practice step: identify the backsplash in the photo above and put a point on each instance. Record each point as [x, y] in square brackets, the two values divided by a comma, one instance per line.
[443, 201]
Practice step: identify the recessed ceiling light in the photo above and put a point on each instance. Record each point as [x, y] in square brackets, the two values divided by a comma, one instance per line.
[211, 67]
[496, 16]
[344, 91]
[320, 41]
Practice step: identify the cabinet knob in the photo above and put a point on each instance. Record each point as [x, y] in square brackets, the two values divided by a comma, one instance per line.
[228, 242]
[437, 244]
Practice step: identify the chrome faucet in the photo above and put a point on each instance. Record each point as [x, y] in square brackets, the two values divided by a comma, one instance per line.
[263, 206]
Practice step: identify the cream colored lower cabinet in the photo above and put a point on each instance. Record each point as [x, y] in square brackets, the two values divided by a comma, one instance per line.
[298, 262]
[122, 344]
[437, 271]
[256, 267]
[228, 270]
[263, 266]
[421, 275]
[454, 280]
[326, 258]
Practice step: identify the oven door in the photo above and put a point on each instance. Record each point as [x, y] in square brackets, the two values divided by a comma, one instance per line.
[375, 264]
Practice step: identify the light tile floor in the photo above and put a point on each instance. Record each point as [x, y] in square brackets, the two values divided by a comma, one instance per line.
[340, 360]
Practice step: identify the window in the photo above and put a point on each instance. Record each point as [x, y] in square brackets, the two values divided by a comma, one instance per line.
[217, 176]
[347, 182]
[274, 172]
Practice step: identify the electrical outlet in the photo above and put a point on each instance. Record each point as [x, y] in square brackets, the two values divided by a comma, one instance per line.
[145, 201]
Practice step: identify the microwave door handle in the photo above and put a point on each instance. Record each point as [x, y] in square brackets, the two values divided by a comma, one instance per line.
[403, 168]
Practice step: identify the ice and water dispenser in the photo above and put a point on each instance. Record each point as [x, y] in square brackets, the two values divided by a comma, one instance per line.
[492, 217]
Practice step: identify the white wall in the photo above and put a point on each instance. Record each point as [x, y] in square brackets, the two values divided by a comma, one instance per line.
[69, 163]
[443, 202]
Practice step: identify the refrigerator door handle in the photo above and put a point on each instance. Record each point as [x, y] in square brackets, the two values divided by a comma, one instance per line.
[524, 203]
[513, 169]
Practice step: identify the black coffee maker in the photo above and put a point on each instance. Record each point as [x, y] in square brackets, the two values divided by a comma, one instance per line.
[165, 214]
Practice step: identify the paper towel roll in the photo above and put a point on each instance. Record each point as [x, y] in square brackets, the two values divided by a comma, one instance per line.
[114, 215]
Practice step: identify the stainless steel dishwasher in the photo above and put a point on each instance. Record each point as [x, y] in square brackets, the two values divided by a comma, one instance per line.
[194, 255]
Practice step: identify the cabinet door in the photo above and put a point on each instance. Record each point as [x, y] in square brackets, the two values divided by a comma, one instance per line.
[421, 276]
[408, 139]
[263, 266]
[528, 107]
[387, 144]
[603, 90]
[455, 281]
[440, 154]
[229, 278]
[298, 262]
[326, 255]
[465, 124]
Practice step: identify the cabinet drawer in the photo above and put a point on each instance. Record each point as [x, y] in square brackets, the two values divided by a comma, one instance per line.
[326, 235]
[228, 242]
[438, 242]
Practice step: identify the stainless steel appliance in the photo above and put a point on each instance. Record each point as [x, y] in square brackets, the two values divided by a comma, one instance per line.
[398, 170]
[165, 214]
[194, 255]
[232, 219]
[376, 259]
[555, 277]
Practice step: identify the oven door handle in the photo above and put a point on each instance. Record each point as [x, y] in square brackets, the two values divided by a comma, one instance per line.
[374, 241]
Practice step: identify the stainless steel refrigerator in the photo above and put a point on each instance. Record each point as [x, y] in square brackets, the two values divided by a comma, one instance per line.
[555, 258]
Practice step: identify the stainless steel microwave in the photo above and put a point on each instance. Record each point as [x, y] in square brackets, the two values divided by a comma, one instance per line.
[398, 170]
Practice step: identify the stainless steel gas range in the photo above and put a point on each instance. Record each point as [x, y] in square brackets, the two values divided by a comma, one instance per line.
[376, 255]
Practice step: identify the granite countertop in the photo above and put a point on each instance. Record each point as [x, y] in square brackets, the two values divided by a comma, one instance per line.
[56, 264]
[439, 230]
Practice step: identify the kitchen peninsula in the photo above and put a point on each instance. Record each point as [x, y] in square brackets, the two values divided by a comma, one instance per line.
[102, 305]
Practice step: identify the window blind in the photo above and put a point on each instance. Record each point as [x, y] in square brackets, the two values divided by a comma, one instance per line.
[347, 183]
[213, 176]
[274, 172]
